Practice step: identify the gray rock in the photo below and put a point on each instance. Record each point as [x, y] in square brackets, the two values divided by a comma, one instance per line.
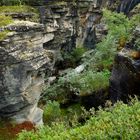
[22, 61]
[125, 78]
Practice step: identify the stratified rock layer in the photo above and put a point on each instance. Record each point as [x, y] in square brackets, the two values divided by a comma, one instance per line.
[21, 72]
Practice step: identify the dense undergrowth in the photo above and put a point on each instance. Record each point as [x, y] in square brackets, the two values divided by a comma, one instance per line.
[120, 121]
[4, 20]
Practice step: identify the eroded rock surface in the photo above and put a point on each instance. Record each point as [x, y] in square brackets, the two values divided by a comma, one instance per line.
[22, 58]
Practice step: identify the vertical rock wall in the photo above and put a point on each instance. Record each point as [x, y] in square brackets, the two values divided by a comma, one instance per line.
[22, 58]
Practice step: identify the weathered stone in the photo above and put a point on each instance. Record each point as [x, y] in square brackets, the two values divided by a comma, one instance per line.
[125, 79]
[22, 16]
[22, 58]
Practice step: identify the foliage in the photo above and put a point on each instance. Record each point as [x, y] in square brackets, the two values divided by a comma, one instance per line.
[10, 2]
[86, 83]
[120, 121]
[120, 30]
[78, 53]
[118, 24]
[51, 111]
[20, 2]
[73, 58]
[20, 9]
[3, 35]
[70, 115]
[5, 20]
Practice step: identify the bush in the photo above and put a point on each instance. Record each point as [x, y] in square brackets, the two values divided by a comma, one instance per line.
[51, 111]
[3, 35]
[73, 58]
[120, 121]
[20, 9]
[86, 83]
[10, 2]
[120, 30]
[5, 20]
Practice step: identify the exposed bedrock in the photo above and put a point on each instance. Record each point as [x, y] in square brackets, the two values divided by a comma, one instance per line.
[22, 62]
[125, 78]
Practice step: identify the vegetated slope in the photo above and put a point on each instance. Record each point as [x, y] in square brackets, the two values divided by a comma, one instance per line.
[121, 121]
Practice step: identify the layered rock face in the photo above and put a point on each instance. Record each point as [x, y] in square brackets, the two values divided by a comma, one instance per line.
[60, 18]
[21, 72]
[26, 54]
[89, 18]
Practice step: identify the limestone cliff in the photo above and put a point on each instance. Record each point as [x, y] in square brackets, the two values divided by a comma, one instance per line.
[21, 71]
[30, 49]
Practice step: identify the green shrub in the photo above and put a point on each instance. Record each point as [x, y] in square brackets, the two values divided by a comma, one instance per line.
[120, 121]
[20, 9]
[86, 83]
[5, 20]
[73, 58]
[118, 24]
[51, 111]
[3, 35]
[10, 2]
[120, 30]
[78, 53]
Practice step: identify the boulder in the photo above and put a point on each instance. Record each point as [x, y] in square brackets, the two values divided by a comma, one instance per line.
[125, 79]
